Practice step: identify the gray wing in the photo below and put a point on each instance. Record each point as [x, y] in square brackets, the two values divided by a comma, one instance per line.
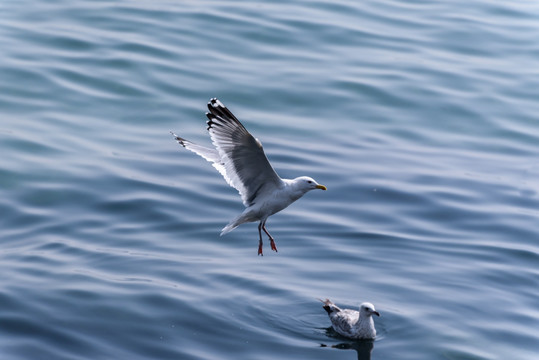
[343, 321]
[211, 155]
[246, 167]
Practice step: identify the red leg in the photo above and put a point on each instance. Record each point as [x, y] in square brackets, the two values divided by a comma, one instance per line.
[272, 242]
[260, 241]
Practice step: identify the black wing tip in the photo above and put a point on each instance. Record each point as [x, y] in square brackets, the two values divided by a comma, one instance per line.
[220, 111]
[180, 140]
[210, 121]
[215, 104]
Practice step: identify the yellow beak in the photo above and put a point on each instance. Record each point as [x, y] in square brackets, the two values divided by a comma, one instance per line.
[321, 187]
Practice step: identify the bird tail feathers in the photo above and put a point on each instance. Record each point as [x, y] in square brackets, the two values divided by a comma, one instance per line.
[329, 306]
[233, 224]
[229, 228]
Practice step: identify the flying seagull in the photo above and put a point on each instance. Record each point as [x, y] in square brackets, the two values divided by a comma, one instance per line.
[239, 157]
[351, 323]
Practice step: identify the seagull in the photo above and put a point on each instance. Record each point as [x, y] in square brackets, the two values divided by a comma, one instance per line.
[240, 159]
[351, 323]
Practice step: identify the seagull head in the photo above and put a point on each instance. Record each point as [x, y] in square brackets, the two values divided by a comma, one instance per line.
[367, 309]
[306, 183]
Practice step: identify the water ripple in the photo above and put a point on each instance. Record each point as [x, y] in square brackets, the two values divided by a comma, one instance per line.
[420, 118]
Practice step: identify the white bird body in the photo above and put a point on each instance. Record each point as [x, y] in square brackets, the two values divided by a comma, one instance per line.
[240, 159]
[351, 323]
[272, 203]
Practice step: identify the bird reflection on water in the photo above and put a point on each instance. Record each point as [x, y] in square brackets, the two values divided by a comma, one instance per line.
[363, 348]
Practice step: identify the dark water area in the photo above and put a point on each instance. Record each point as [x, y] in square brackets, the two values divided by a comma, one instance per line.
[419, 117]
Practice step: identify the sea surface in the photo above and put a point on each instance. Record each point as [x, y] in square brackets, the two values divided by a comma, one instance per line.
[421, 118]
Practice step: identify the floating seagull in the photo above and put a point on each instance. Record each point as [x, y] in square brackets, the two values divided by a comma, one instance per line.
[239, 157]
[351, 323]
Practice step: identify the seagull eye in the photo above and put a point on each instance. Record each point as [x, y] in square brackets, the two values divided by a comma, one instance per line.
[309, 181]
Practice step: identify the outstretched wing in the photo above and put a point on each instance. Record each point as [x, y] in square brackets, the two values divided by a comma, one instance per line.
[211, 155]
[238, 156]
[242, 156]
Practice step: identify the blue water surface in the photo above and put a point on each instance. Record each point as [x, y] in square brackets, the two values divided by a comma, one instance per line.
[420, 117]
